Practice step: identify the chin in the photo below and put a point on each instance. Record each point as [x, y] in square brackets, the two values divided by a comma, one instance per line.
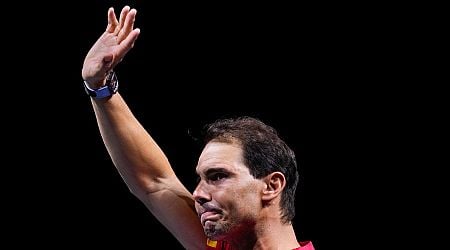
[214, 232]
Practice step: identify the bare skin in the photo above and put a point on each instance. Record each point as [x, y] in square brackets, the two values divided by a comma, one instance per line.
[235, 206]
[137, 157]
[228, 202]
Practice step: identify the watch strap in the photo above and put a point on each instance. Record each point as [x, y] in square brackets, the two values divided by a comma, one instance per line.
[102, 92]
[107, 90]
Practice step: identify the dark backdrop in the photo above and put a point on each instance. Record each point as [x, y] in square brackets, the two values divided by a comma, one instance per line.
[291, 66]
[192, 65]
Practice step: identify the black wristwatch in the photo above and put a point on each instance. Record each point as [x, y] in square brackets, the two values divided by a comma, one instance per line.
[111, 87]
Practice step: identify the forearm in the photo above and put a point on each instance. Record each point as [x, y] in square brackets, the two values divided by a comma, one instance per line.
[135, 154]
[139, 160]
[147, 172]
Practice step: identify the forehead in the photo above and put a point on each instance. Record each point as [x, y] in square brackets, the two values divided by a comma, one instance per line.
[221, 155]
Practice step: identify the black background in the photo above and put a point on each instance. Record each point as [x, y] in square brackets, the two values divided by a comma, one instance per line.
[192, 65]
[310, 71]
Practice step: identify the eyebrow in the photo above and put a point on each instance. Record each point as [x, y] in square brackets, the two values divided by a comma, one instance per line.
[216, 170]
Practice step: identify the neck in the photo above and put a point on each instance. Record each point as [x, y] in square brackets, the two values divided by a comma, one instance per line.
[271, 234]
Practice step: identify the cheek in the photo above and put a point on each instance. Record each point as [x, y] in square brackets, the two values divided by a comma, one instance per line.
[246, 198]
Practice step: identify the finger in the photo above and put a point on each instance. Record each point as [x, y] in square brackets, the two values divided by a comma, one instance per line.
[112, 20]
[123, 15]
[128, 43]
[128, 25]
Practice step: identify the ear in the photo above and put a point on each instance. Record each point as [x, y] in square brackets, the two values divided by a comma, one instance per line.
[274, 184]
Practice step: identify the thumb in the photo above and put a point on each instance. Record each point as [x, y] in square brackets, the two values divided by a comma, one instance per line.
[108, 60]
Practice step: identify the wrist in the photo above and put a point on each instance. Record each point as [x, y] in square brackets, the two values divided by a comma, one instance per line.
[109, 87]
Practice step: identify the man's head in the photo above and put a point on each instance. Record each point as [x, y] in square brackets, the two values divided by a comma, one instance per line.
[243, 165]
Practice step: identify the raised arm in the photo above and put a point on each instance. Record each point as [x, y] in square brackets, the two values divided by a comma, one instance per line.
[139, 160]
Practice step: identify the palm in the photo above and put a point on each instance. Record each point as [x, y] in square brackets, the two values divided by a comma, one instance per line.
[111, 47]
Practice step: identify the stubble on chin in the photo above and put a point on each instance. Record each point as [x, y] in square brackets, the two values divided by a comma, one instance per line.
[215, 231]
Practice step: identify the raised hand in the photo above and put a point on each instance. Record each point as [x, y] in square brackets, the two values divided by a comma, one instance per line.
[111, 47]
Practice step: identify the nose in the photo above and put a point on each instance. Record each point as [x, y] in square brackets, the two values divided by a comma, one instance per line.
[200, 194]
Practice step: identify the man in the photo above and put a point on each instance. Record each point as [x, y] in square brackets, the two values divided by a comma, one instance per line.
[248, 175]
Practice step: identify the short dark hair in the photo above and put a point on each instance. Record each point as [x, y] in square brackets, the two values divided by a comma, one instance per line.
[264, 152]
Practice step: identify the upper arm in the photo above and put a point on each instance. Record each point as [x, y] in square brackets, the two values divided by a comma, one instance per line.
[172, 204]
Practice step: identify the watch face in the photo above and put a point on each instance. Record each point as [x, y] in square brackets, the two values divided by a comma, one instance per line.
[112, 82]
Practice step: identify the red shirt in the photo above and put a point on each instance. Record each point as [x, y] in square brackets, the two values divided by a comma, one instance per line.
[222, 245]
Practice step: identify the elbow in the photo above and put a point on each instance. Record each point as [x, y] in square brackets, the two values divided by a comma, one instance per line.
[141, 189]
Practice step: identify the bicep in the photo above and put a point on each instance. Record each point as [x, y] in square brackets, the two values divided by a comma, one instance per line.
[172, 204]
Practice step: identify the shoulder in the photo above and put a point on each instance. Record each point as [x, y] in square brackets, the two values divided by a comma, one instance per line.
[305, 245]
